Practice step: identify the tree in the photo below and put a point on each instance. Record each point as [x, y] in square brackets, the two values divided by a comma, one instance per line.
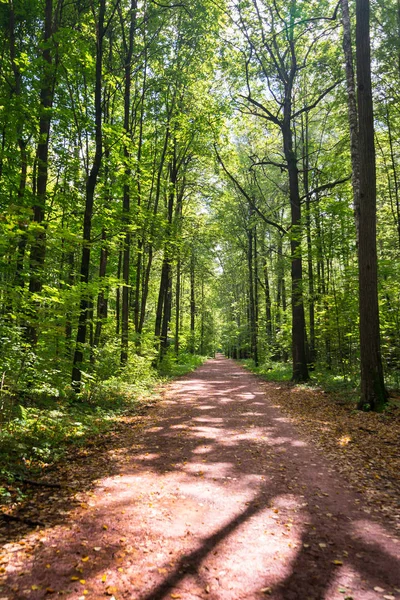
[373, 393]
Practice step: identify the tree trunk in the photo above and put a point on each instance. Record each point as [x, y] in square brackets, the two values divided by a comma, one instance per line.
[299, 355]
[352, 111]
[87, 219]
[126, 194]
[38, 246]
[311, 298]
[373, 393]
[192, 303]
[102, 302]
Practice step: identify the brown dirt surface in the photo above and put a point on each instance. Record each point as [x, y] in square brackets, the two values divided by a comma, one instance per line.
[214, 493]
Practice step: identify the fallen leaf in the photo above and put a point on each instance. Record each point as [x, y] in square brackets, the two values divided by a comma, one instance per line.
[111, 589]
[176, 596]
[84, 558]
[103, 578]
[74, 578]
[337, 562]
[378, 589]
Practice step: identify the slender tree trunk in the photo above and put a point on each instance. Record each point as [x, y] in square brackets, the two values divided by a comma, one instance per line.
[299, 355]
[256, 306]
[68, 317]
[145, 289]
[90, 190]
[352, 111]
[202, 324]
[373, 393]
[38, 246]
[177, 305]
[192, 303]
[127, 192]
[251, 311]
[102, 302]
[394, 169]
[118, 296]
[311, 299]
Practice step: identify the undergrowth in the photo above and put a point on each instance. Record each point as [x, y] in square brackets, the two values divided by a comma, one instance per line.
[38, 426]
[342, 385]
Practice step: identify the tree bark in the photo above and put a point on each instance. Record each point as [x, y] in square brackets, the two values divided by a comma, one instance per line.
[87, 219]
[38, 246]
[373, 393]
[352, 112]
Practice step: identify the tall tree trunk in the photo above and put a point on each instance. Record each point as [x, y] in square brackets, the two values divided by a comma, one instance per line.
[90, 190]
[394, 169]
[177, 305]
[311, 299]
[126, 194]
[192, 303]
[373, 393]
[102, 302]
[299, 355]
[252, 318]
[256, 306]
[352, 111]
[38, 246]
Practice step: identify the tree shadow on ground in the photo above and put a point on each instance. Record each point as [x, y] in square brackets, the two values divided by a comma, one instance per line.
[276, 517]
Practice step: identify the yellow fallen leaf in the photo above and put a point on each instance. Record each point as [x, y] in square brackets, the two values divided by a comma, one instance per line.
[111, 590]
[84, 558]
[337, 562]
[104, 577]
[74, 578]
[120, 569]
[34, 587]
[176, 596]
[82, 581]
[105, 526]
[85, 592]
[84, 505]
[48, 566]
[162, 571]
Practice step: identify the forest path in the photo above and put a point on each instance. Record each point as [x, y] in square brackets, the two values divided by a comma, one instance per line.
[214, 495]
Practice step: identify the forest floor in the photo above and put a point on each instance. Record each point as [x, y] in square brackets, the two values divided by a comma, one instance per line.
[226, 488]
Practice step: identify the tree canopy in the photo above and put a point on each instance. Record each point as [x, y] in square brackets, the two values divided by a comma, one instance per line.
[183, 177]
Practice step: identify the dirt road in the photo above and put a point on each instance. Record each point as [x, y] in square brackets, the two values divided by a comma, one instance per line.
[216, 496]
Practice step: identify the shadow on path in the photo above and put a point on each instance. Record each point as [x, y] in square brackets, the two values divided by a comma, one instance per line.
[215, 496]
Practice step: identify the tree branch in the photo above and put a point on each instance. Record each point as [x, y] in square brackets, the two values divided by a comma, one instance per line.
[326, 186]
[246, 195]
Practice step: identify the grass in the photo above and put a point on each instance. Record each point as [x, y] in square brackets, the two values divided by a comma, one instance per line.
[40, 429]
[344, 387]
